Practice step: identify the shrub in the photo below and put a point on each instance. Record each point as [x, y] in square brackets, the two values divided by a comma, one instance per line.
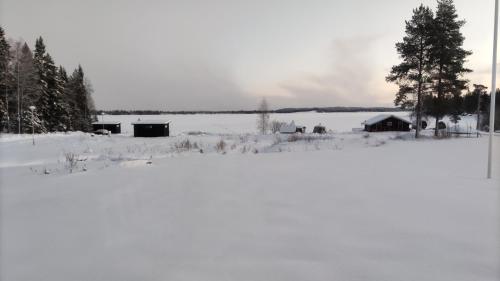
[220, 146]
[186, 145]
[293, 138]
[71, 161]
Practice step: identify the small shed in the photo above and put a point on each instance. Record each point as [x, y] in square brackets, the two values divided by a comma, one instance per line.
[386, 123]
[151, 128]
[319, 129]
[292, 128]
[112, 126]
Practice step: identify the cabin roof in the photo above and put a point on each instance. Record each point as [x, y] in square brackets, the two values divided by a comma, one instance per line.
[382, 117]
[151, 122]
[106, 123]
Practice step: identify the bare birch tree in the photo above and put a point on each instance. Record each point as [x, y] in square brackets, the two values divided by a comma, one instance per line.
[263, 117]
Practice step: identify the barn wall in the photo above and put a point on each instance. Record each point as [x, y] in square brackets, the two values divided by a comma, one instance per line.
[389, 125]
[151, 130]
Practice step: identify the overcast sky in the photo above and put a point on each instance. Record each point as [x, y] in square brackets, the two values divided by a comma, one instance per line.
[228, 54]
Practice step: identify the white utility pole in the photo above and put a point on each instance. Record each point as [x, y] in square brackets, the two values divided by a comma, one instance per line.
[102, 120]
[493, 94]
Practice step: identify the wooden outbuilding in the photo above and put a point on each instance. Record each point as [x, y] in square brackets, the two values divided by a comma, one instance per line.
[386, 123]
[151, 128]
[112, 126]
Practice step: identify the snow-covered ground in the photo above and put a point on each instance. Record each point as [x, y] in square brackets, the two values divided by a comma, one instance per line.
[227, 204]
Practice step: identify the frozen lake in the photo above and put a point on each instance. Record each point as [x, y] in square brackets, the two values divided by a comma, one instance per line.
[246, 123]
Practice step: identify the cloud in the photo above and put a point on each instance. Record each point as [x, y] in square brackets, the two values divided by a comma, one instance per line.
[351, 79]
[187, 86]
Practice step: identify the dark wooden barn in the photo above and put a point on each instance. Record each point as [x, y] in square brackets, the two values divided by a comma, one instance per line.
[151, 128]
[112, 127]
[386, 123]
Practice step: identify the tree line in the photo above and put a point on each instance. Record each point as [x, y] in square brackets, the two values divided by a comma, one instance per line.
[432, 69]
[36, 94]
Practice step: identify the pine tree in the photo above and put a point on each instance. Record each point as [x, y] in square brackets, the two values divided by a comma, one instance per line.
[412, 74]
[448, 58]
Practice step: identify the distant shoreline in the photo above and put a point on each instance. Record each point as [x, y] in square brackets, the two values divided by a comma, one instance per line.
[276, 111]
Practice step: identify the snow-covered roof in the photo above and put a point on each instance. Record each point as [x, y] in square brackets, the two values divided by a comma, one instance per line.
[151, 122]
[288, 128]
[106, 123]
[382, 117]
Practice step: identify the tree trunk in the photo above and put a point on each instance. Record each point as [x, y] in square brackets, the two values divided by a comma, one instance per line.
[419, 92]
[439, 97]
[478, 125]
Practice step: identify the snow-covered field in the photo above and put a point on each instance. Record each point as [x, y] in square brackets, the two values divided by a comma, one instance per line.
[218, 202]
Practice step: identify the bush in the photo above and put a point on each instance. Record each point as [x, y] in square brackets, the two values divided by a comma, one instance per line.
[186, 145]
[71, 161]
[220, 146]
[293, 138]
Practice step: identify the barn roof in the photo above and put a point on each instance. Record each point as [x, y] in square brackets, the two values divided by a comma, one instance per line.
[382, 117]
[151, 122]
[106, 123]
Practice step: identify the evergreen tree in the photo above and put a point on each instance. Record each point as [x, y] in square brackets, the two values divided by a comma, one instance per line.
[4, 77]
[27, 80]
[66, 95]
[82, 114]
[412, 74]
[448, 58]
[57, 112]
[40, 64]
[51, 106]
[30, 121]
[476, 102]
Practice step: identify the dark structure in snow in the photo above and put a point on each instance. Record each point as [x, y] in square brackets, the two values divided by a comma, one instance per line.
[112, 127]
[151, 128]
[319, 130]
[423, 125]
[386, 123]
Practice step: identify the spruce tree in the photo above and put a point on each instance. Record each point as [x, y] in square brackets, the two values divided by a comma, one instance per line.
[57, 112]
[66, 95]
[43, 100]
[82, 116]
[4, 79]
[448, 58]
[412, 74]
[51, 105]
[28, 81]
[30, 122]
